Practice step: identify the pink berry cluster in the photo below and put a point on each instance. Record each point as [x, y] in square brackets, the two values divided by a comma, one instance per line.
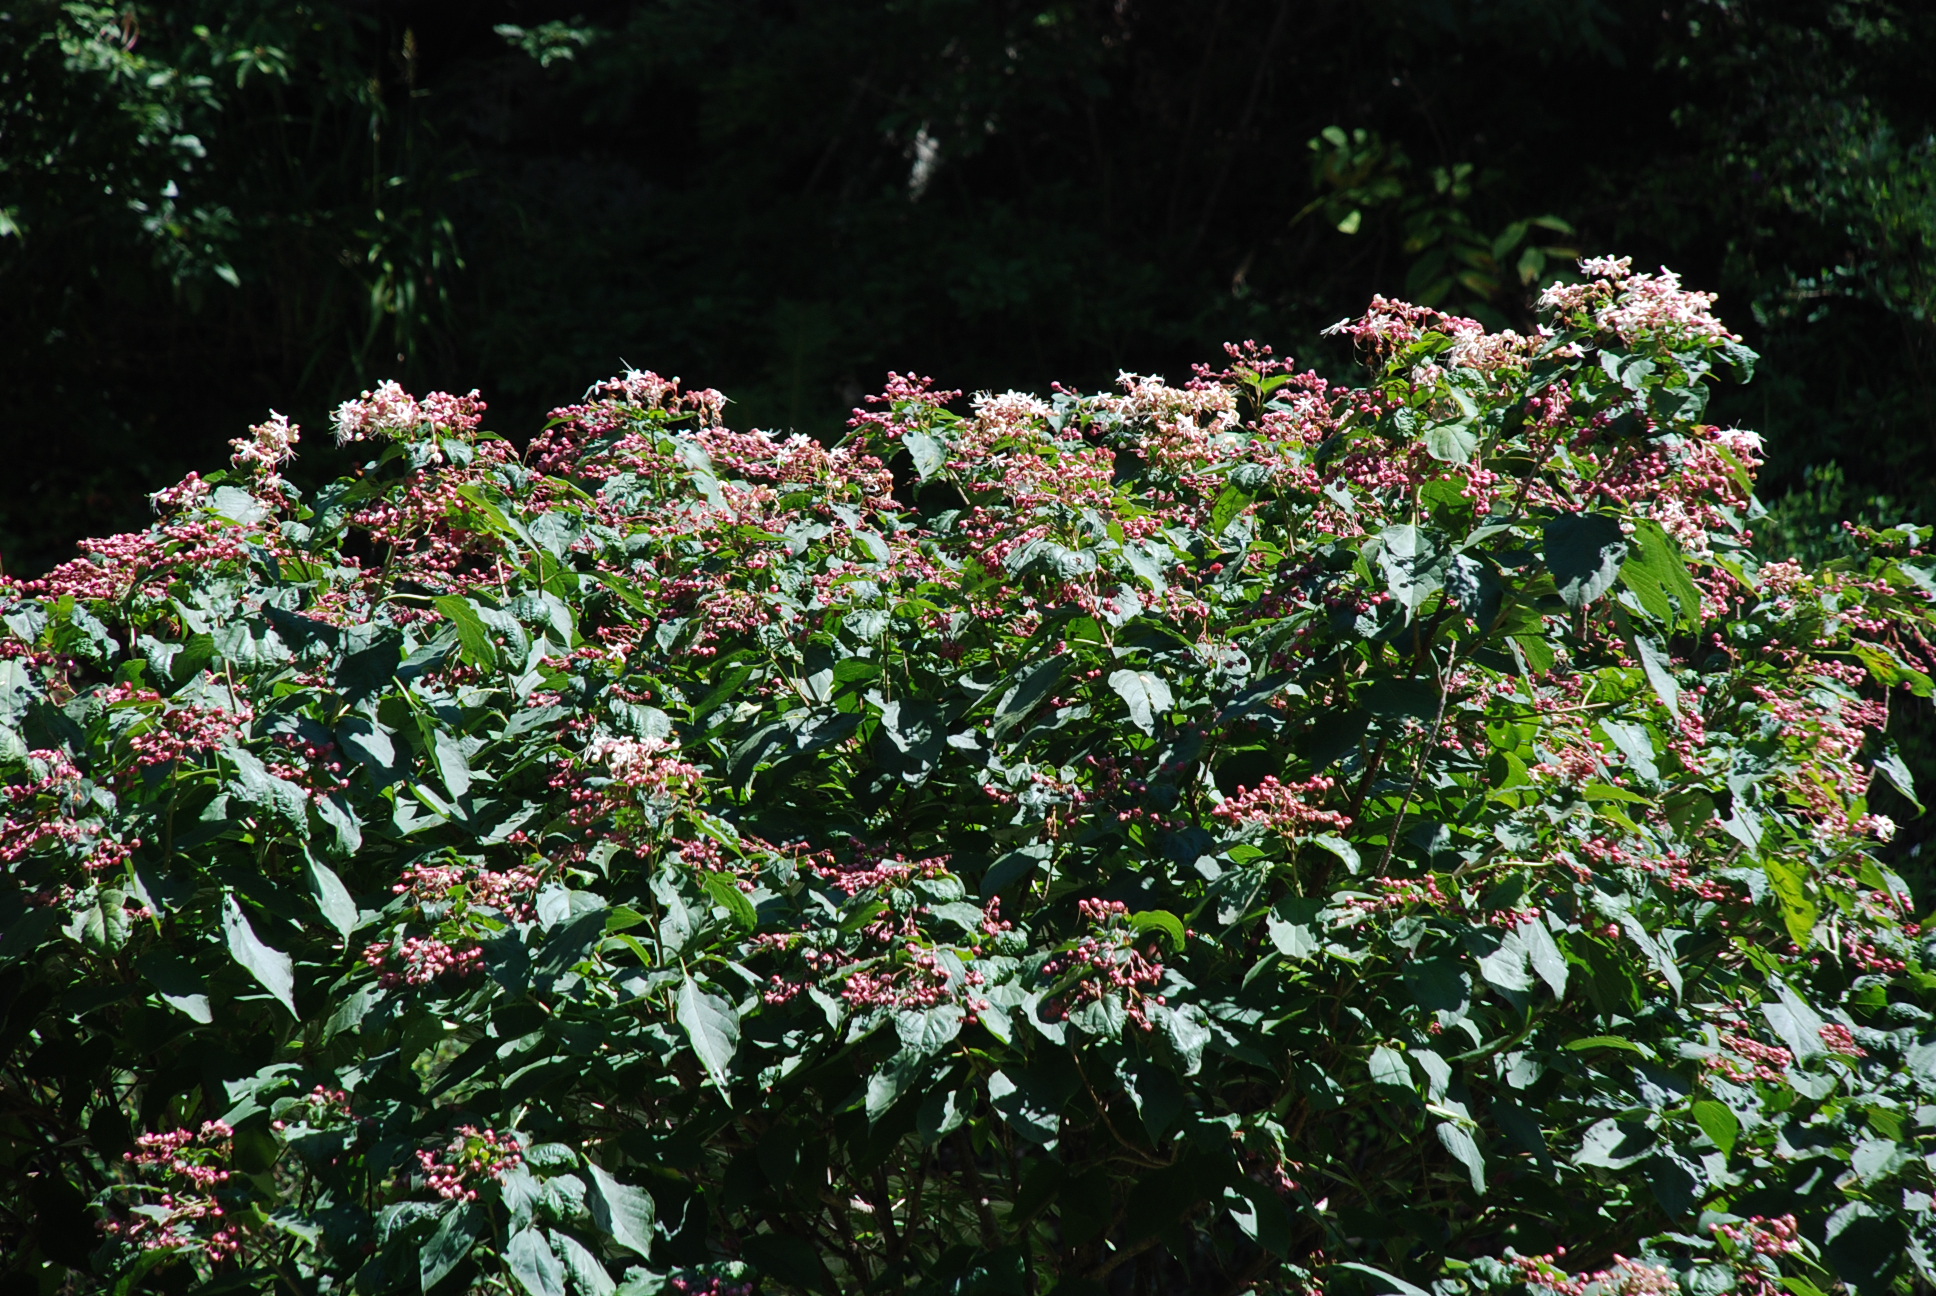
[1763, 1235]
[44, 817]
[455, 1170]
[870, 867]
[183, 1169]
[921, 982]
[1755, 1246]
[1105, 963]
[171, 732]
[1763, 1061]
[710, 1287]
[1840, 1039]
[1625, 1278]
[419, 960]
[1396, 895]
[320, 1108]
[509, 891]
[1285, 807]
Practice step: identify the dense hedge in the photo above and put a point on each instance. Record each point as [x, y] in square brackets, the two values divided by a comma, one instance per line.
[1252, 833]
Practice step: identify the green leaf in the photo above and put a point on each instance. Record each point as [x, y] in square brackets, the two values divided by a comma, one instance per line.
[1584, 552]
[892, 1080]
[452, 765]
[587, 1275]
[1160, 920]
[335, 811]
[1608, 1041]
[713, 1028]
[1291, 925]
[1476, 584]
[1615, 1144]
[1026, 1106]
[926, 1031]
[1413, 566]
[1033, 683]
[1889, 764]
[1795, 1020]
[1890, 669]
[1719, 1123]
[1146, 694]
[1388, 1068]
[1231, 501]
[1399, 1286]
[269, 966]
[1452, 442]
[1506, 967]
[1458, 1140]
[1344, 850]
[473, 637]
[1659, 668]
[623, 1213]
[1544, 955]
[1790, 882]
[1186, 1031]
[928, 452]
[254, 786]
[725, 892]
[331, 896]
[531, 1261]
[1012, 868]
[1658, 576]
[177, 982]
[463, 1224]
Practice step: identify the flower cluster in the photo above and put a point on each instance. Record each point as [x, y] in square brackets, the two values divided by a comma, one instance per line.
[510, 891]
[419, 960]
[170, 731]
[47, 817]
[321, 1108]
[1285, 807]
[1840, 1039]
[711, 1286]
[1634, 307]
[1763, 1061]
[268, 446]
[1104, 964]
[177, 1177]
[868, 868]
[1755, 1245]
[472, 1156]
[919, 982]
[390, 411]
[1626, 1278]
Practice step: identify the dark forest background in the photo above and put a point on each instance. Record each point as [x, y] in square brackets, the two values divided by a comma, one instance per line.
[209, 208]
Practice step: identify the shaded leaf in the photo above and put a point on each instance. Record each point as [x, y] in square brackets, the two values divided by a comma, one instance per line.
[1584, 552]
[271, 967]
[462, 1225]
[331, 896]
[531, 1261]
[623, 1213]
[1146, 694]
[713, 1028]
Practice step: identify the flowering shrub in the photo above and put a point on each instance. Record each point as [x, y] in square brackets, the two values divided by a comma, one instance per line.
[1253, 834]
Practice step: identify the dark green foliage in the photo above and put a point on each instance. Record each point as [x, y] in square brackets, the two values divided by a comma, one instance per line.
[1182, 838]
